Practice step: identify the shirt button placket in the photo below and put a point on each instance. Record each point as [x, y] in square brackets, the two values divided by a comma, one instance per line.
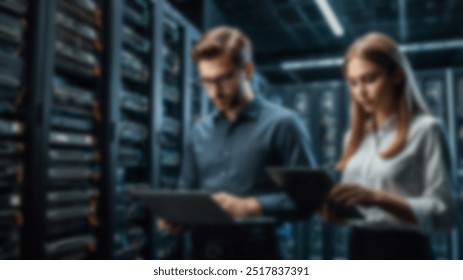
[372, 155]
[226, 151]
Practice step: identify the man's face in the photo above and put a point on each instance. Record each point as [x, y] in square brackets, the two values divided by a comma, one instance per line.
[222, 81]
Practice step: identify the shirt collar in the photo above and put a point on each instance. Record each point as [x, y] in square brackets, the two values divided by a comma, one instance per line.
[251, 111]
[388, 125]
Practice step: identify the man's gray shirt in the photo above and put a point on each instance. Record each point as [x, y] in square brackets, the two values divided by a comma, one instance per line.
[223, 156]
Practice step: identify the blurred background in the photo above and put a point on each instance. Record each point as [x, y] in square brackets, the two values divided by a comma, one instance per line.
[97, 97]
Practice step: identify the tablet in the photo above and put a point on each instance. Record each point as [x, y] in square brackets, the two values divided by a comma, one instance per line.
[190, 208]
[308, 188]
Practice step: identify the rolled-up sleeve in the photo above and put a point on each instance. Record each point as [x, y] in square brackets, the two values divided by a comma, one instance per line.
[293, 144]
[435, 209]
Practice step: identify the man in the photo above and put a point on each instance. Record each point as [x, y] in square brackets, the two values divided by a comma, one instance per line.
[228, 152]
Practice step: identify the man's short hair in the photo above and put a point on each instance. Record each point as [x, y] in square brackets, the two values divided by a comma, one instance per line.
[227, 41]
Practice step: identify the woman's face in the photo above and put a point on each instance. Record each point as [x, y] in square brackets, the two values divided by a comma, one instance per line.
[371, 85]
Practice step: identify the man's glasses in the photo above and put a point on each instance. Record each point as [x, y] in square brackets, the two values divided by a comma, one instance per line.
[221, 81]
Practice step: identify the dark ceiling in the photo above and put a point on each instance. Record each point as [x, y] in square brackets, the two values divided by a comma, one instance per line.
[292, 29]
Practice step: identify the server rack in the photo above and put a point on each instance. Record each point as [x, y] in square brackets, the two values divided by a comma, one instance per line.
[309, 234]
[457, 78]
[329, 107]
[196, 107]
[130, 115]
[15, 20]
[323, 107]
[67, 152]
[176, 93]
[436, 87]
[150, 85]
[133, 135]
[457, 85]
[303, 239]
[452, 79]
[274, 95]
[102, 99]
[433, 86]
[332, 124]
[454, 88]
[169, 116]
[291, 238]
[260, 85]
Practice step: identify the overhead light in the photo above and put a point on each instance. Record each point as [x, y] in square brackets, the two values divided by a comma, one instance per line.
[337, 61]
[330, 17]
[310, 64]
[432, 46]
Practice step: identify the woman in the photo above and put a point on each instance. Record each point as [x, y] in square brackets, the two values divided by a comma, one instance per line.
[395, 163]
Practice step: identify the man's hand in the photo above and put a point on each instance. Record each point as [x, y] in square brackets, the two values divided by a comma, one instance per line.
[238, 207]
[165, 226]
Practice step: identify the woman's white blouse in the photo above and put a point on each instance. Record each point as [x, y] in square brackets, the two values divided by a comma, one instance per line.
[419, 173]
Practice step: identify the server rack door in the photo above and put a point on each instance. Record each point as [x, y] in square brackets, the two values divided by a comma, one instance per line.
[71, 139]
[434, 86]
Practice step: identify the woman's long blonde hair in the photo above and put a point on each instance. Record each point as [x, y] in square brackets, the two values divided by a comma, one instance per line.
[380, 49]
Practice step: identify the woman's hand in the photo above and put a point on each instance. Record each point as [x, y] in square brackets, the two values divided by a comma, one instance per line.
[347, 195]
[352, 194]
